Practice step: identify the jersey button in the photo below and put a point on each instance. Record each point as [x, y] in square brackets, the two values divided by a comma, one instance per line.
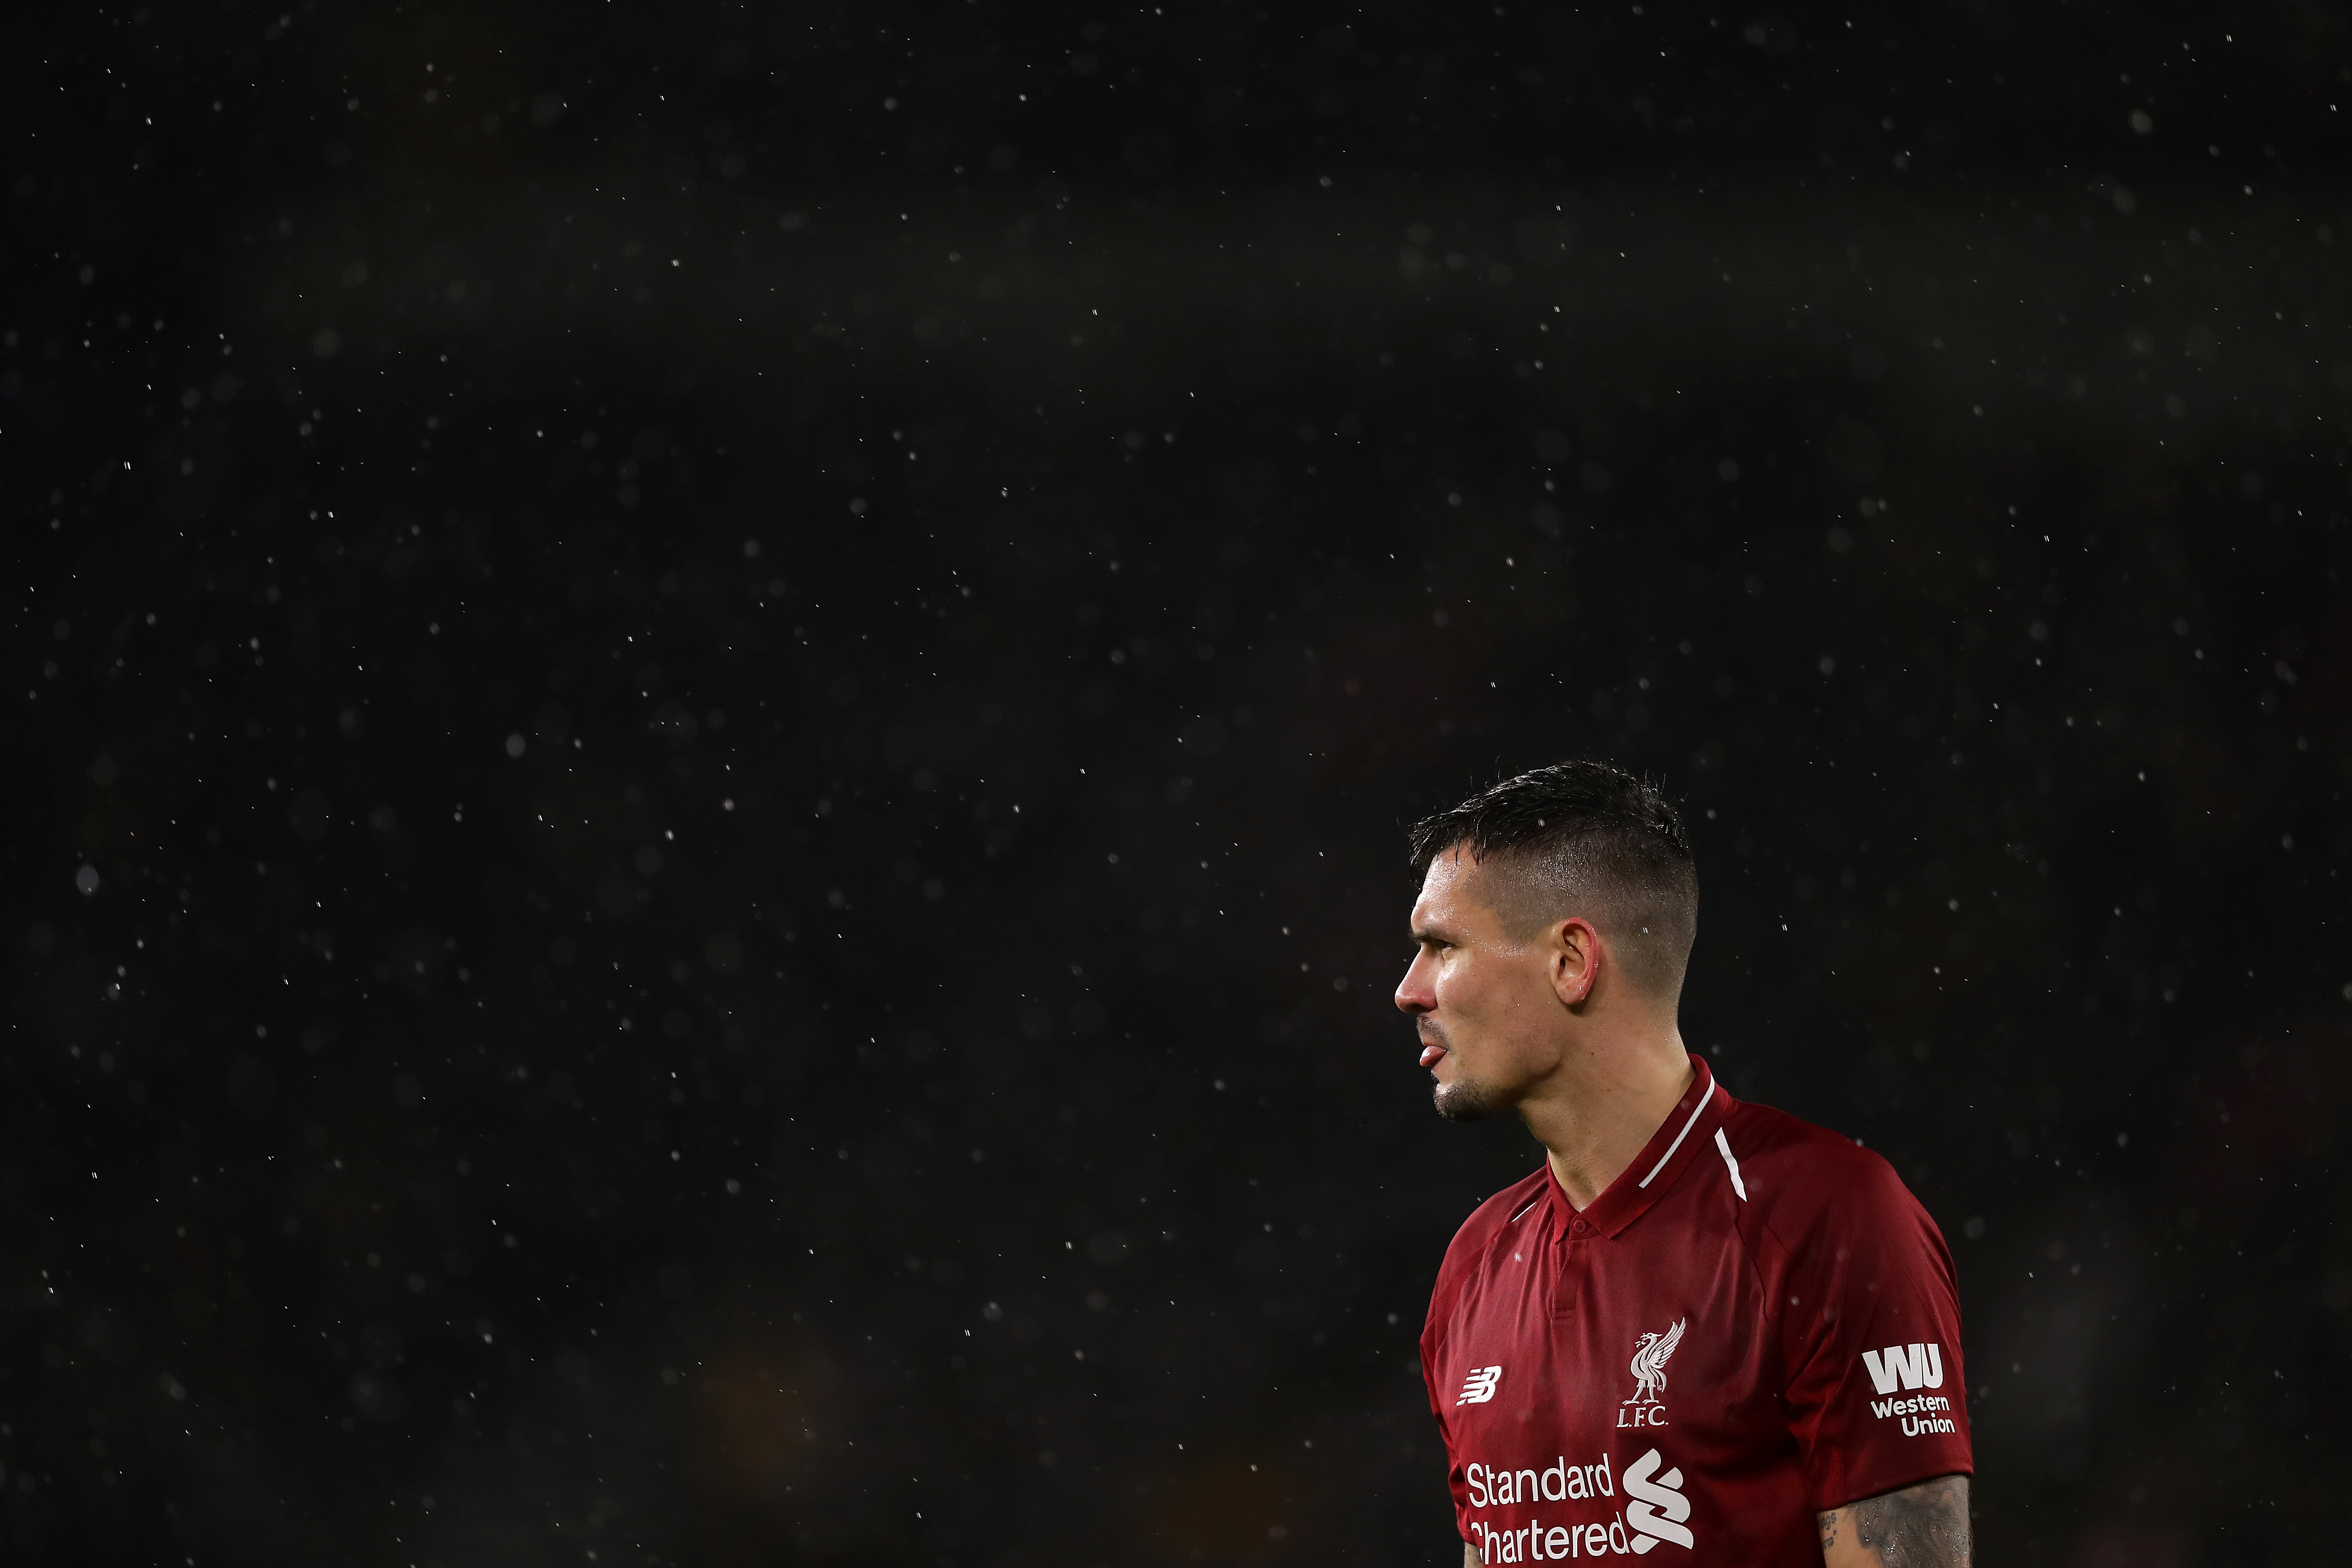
[1579, 1227]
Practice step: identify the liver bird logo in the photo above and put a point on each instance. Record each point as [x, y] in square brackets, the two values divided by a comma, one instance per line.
[1650, 1356]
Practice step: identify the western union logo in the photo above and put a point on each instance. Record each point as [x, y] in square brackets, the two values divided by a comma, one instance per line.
[1913, 1366]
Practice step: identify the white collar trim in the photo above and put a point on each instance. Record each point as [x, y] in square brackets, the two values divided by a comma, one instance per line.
[1689, 1123]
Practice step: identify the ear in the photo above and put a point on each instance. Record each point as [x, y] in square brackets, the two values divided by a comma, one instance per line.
[1576, 958]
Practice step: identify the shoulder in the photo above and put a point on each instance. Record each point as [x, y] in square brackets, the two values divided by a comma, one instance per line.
[1807, 1181]
[1486, 1222]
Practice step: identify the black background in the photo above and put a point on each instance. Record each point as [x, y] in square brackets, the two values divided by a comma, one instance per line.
[711, 709]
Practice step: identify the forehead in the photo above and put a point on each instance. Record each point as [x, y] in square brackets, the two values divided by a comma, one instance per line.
[1455, 894]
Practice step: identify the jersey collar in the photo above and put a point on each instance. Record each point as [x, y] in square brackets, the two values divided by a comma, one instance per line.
[1685, 1131]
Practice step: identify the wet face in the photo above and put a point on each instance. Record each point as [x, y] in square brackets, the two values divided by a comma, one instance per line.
[1486, 1007]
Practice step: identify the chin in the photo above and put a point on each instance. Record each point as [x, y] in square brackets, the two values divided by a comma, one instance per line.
[1463, 1100]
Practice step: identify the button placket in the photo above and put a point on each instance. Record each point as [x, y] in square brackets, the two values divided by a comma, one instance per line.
[1571, 1258]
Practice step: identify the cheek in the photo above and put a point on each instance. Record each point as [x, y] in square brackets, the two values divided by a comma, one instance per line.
[1493, 998]
[1459, 990]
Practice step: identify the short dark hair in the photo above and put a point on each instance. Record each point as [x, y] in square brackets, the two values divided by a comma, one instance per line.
[1586, 839]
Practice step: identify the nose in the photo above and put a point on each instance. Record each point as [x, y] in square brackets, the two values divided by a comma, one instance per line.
[1414, 994]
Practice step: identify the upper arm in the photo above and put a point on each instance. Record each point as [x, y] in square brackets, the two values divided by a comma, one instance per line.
[1470, 1558]
[1870, 1334]
[1921, 1526]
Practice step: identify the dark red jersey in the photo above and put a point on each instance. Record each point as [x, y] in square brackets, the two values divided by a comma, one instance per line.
[1755, 1322]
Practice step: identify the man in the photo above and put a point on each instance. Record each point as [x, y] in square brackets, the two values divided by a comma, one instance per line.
[1703, 1327]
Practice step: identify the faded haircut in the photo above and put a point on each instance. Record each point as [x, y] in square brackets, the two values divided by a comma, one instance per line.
[1583, 838]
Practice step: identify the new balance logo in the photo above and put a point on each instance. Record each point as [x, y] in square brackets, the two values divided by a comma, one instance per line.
[1479, 1387]
[1914, 1366]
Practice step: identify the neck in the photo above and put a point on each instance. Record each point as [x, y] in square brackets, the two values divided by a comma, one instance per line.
[1607, 1097]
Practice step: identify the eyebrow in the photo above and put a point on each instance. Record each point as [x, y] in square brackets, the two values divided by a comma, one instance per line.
[1429, 934]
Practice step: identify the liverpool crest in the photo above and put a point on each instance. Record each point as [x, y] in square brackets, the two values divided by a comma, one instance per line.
[1648, 1368]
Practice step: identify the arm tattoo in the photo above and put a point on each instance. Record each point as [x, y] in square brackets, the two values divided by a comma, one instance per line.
[1828, 1521]
[1925, 1526]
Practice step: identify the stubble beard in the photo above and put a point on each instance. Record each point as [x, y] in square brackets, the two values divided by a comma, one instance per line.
[1464, 1100]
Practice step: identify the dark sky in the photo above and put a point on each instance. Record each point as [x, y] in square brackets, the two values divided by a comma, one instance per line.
[713, 709]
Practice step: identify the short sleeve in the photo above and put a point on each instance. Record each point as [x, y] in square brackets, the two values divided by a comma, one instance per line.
[1877, 1395]
[1432, 1339]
